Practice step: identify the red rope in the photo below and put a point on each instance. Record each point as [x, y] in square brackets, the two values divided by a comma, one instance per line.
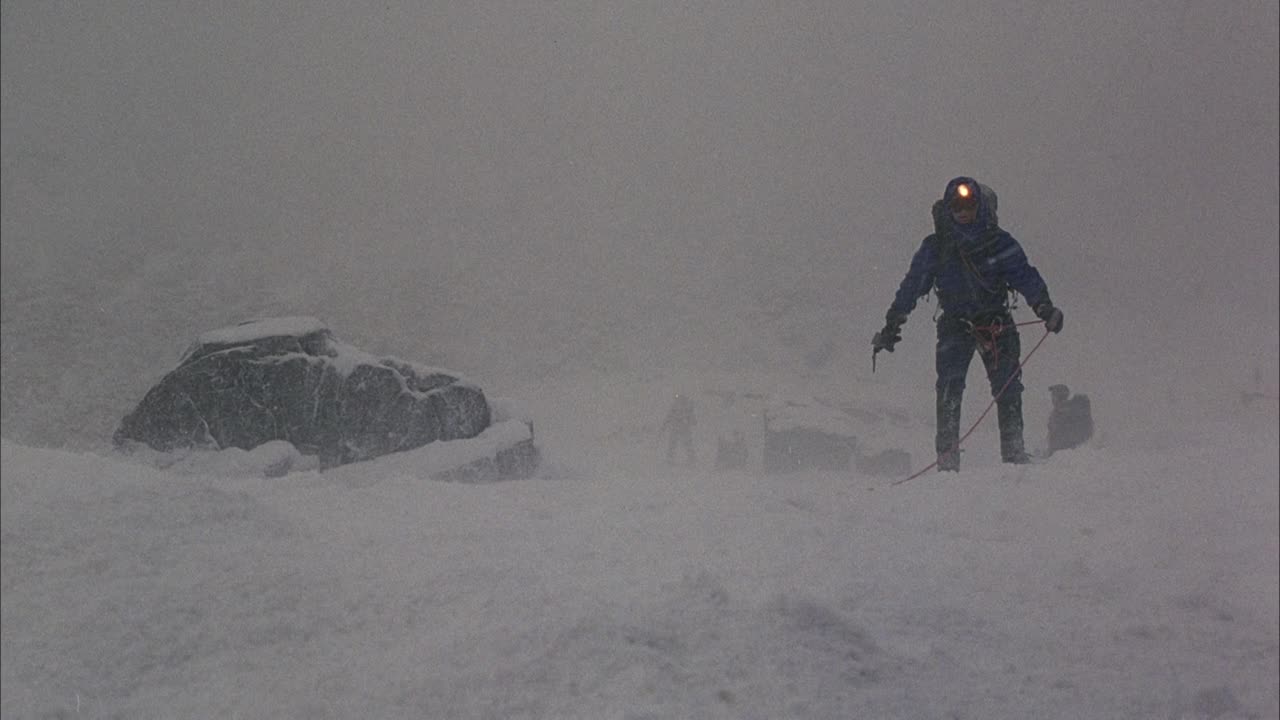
[990, 405]
[987, 335]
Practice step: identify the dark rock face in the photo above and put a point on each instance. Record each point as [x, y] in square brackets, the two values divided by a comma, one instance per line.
[289, 379]
[894, 461]
[799, 437]
[518, 461]
[800, 448]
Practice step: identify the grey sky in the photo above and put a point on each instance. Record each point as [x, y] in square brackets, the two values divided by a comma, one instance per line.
[465, 181]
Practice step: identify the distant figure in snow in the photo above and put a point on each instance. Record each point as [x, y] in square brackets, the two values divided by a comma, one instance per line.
[679, 424]
[1070, 421]
[731, 454]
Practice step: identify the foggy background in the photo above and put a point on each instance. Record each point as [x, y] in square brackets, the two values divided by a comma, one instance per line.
[524, 190]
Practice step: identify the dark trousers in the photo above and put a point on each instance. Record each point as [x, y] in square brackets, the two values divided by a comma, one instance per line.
[997, 343]
[681, 437]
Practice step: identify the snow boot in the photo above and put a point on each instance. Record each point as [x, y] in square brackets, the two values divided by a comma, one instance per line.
[949, 462]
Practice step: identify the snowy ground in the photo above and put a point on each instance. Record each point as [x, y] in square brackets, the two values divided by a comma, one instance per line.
[585, 207]
[1135, 578]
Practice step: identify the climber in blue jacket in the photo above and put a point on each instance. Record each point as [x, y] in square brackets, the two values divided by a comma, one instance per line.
[974, 267]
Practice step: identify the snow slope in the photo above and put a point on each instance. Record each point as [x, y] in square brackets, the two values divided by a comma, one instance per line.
[585, 207]
[1131, 579]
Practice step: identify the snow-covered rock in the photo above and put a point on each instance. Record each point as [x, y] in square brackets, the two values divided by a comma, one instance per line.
[802, 434]
[289, 379]
[807, 435]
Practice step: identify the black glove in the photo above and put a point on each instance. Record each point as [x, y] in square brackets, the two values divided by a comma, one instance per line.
[1051, 316]
[890, 335]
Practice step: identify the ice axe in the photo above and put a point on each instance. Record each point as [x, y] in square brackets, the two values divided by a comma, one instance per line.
[881, 342]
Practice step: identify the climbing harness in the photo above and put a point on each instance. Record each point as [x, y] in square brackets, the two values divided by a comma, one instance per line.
[988, 336]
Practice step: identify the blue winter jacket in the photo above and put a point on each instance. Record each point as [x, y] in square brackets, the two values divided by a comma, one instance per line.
[972, 267]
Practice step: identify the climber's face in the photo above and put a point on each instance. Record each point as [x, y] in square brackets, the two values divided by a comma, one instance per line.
[964, 215]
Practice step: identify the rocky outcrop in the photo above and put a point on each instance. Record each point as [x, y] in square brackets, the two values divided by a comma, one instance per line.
[290, 379]
[801, 436]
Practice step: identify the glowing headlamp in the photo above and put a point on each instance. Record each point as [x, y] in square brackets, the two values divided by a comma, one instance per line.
[964, 199]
